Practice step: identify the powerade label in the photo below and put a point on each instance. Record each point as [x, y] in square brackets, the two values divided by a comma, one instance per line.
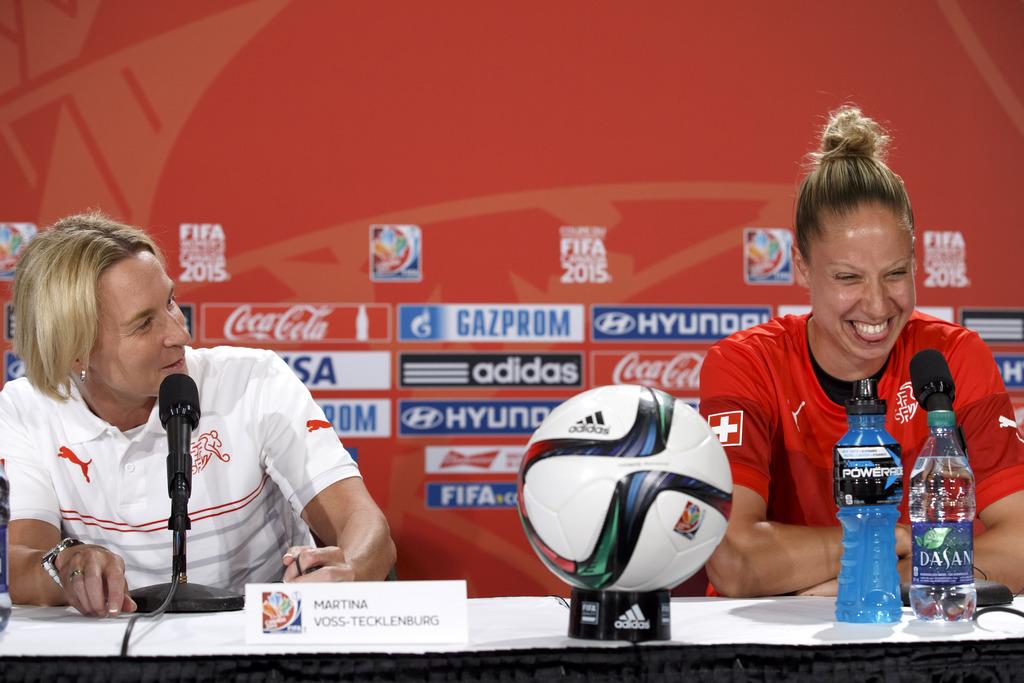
[943, 553]
[867, 475]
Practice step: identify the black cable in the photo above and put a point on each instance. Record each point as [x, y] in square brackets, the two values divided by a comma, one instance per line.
[561, 600]
[159, 611]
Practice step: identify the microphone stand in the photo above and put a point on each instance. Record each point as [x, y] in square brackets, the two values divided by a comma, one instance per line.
[188, 597]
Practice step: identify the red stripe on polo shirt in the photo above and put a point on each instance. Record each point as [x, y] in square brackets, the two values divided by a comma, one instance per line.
[89, 520]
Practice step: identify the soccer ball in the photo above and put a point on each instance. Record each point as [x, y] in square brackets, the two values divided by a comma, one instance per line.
[624, 488]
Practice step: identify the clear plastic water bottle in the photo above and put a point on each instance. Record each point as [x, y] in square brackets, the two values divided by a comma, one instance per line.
[868, 486]
[5, 516]
[942, 525]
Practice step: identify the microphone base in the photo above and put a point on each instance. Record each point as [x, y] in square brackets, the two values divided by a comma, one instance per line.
[189, 597]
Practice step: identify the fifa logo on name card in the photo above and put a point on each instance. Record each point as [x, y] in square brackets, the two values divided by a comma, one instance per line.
[767, 256]
[945, 259]
[282, 612]
[201, 252]
[14, 237]
[396, 253]
[582, 254]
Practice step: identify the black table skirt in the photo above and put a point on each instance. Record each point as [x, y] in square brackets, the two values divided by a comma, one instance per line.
[986, 661]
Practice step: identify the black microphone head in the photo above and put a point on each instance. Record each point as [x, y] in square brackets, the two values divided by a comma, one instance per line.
[179, 396]
[930, 375]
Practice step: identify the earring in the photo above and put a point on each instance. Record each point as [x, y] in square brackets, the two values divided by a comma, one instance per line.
[81, 376]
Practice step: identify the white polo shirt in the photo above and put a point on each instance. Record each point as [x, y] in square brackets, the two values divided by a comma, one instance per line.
[261, 452]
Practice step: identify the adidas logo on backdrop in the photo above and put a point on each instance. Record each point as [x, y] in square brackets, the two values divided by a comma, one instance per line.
[633, 618]
[591, 424]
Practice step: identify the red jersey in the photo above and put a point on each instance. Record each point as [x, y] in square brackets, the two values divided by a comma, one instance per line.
[759, 392]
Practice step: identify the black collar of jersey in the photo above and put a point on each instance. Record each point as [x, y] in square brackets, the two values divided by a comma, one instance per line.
[837, 390]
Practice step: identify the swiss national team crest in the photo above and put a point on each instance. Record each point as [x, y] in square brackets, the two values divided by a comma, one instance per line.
[396, 253]
[205, 448]
[728, 427]
[906, 403]
[767, 256]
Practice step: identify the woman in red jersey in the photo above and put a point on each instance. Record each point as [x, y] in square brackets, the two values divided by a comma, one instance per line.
[778, 388]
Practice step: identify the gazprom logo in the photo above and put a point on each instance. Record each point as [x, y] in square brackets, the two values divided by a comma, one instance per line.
[472, 418]
[673, 323]
[1011, 367]
[491, 322]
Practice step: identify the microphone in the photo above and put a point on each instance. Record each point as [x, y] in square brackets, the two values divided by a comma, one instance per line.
[179, 414]
[933, 384]
[932, 380]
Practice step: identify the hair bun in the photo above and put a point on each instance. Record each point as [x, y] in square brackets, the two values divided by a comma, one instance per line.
[849, 133]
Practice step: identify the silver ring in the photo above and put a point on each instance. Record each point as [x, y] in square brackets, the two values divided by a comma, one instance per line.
[75, 573]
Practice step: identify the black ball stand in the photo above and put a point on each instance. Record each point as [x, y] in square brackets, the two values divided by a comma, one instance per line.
[620, 615]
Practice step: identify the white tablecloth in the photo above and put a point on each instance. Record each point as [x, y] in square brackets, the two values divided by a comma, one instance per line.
[494, 624]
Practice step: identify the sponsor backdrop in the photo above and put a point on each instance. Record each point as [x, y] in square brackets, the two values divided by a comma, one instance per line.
[449, 218]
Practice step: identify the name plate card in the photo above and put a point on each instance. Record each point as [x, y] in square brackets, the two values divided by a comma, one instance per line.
[356, 613]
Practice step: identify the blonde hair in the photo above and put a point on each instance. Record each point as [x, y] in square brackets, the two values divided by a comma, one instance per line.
[55, 305]
[848, 171]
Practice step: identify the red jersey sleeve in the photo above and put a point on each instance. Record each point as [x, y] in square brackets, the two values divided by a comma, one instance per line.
[994, 445]
[735, 400]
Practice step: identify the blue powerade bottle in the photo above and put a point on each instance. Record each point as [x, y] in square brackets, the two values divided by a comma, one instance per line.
[868, 476]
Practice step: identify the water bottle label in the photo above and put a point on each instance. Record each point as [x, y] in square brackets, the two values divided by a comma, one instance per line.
[943, 553]
[868, 475]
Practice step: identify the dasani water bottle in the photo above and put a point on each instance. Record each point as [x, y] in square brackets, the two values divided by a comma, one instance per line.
[942, 525]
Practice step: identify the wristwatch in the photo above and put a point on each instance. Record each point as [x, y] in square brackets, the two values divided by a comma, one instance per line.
[50, 558]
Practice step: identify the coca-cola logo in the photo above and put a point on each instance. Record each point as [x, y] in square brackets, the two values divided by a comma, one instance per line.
[301, 322]
[681, 371]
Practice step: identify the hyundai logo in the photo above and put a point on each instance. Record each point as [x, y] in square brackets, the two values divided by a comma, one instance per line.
[615, 323]
[422, 417]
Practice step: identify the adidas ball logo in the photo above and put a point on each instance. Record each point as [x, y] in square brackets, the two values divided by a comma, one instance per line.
[591, 424]
[634, 619]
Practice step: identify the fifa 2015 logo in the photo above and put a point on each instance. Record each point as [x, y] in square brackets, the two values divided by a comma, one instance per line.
[945, 259]
[583, 256]
[201, 252]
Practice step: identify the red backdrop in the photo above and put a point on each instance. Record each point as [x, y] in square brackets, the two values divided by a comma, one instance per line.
[530, 143]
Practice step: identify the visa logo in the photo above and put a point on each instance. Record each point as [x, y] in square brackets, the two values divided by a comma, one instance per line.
[341, 369]
[494, 494]
[673, 323]
[471, 418]
[1011, 367]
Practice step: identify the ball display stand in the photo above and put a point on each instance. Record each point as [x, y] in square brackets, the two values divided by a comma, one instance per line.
[620, 615]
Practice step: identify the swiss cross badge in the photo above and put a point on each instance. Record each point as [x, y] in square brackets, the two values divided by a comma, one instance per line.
[728, 427]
